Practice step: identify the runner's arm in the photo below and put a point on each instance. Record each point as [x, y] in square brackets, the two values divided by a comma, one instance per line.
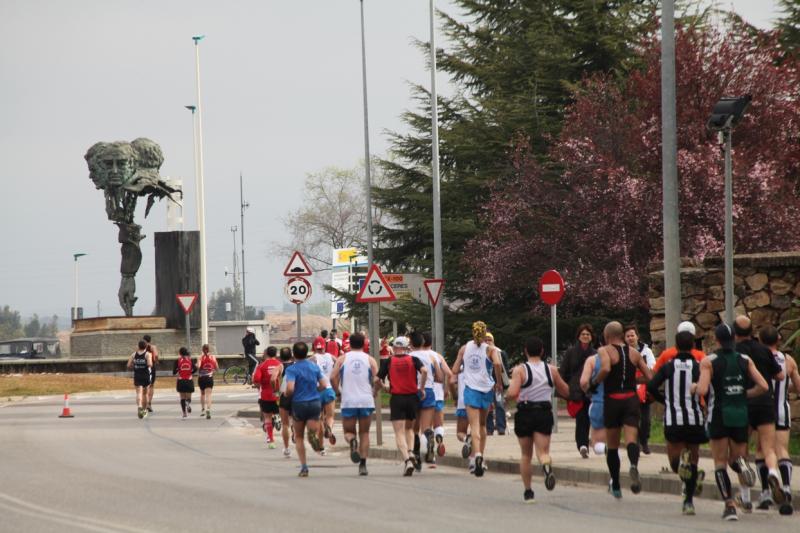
[456, 368]
[654, 385]
[638, 359]
[448, 375]
[373, 365]
[335, 374]
[130, 362]
[275, 379]
[586, 373]
[794, 375]
[257, 377]
[498, 369]
[759, 383]
[175, 367]
[705, 377]
[516, 383]
[149, 358]
[605, 366]
[562, 389]
[423, 377]
[438, 374]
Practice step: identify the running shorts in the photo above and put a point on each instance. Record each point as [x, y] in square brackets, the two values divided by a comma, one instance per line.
[184, 385]
[285, 402]
[268, 407]
[141, 381]
[439, 406]
[618, 413]
[327, 396]
[596, 415]
[759, 415]
[403, 407]
[687, 434]
[477, 399]
[205, 382]
[305, 411]
[461, 413]
[537, 418]
[716, 431]
[357, 412]
[429, 401]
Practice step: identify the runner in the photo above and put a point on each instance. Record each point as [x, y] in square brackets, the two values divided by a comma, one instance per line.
[208, 364]
[266, 378]
[440, 393]
[783, 422]
[353, 377]
[632, 340]
[723, 378]
[760, 411]
[286, 424]
[618, 364]
[141, 362]
[670, 353]
[405, 375]
[153, 349]
[591, 367]
[684, 428]
[462, 423]
[325, 362]
[304, 381]
[532, 385]
[184, 368]
[423, 426]
[479, 359]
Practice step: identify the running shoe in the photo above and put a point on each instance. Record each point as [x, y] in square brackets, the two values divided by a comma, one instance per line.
[323, 453]
[729, 513]
[287, 453]
[746, 507]
[747, 477]
[616, 493]
[271, 445]
[202, 413]
[189, 408]
[777, 490]
[208, 414]
[698, 489]
[786, 508]
[472, 466]
[429, 448]
[584, 451]
[140, 413]
[326, 431]
[144, 413]
[688, 509]
[684, 467]
[408, 470]
[184, 415]
[276, 422]
[331, 437]
[636, 481]
[765, 501]
[354, 455]
[466, 450]
[528, 497]
[149, 409]
[479, 466]
[549, 478]
[303, 472]
[645, 449]
[313, 439]
[417, 462]
[440, 446]
[362, 469]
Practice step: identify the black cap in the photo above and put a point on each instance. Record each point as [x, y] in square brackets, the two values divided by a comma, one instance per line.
[724, 336]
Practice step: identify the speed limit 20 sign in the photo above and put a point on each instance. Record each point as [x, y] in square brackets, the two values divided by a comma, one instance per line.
[298, 290]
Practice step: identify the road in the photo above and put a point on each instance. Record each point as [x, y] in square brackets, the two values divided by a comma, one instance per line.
[106, 470]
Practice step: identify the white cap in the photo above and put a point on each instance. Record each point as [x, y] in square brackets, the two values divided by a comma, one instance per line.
[401, 342]
[687, 326]
[250, 330]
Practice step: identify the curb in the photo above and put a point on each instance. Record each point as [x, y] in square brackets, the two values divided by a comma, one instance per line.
[666, 484]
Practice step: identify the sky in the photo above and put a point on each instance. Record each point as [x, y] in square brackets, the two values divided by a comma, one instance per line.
[281, 97]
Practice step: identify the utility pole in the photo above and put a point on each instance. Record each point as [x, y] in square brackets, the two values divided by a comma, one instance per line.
[438, 326]
[242, 205]
[669, 136]
[236, 291]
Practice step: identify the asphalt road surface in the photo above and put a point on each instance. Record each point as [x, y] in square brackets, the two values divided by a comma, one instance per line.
[106, 470]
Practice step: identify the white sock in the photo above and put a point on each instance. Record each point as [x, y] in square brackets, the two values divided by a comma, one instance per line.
[600, 448]
[745, 493]
[423, 442]
[439, 430]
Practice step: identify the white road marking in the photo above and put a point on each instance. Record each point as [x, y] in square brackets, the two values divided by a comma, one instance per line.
[242, 395]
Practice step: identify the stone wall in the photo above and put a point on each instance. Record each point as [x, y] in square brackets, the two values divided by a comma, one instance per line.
[121, 343]
[765, 286]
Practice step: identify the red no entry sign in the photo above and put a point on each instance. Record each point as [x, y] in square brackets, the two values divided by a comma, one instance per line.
[551, 287]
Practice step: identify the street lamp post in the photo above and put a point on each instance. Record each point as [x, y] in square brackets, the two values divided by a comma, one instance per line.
[75, 269]
[201, 216]
[438, 325]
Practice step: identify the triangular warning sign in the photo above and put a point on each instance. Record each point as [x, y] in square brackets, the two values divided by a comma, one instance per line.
[375, 288]
[187, 301]
[434, 289]
[297, 266]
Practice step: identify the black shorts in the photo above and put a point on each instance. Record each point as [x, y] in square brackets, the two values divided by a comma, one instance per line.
[141, 381]
[687, 434]
[534, 419]
[205, 382]
[403, 407]
[268, 407]
[285, 402]
[759, 415]
[152, 376]
[184, 385]
[618, 413]
[718, 431]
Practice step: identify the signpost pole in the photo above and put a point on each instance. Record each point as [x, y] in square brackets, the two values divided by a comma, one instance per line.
[188, 333]
[298, 322]
[555, 361]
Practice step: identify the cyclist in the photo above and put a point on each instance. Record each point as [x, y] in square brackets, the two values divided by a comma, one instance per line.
[249, 342]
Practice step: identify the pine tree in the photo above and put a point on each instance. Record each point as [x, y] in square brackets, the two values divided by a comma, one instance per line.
[789, 25]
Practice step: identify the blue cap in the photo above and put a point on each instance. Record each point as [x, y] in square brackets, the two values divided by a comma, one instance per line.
[724, 335]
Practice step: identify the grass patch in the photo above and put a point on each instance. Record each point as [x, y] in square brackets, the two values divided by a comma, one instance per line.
[46, 384]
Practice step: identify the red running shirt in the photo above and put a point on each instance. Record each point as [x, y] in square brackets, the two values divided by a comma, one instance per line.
[263, 377]
[185, 367]
[207, 365]
[402, 374]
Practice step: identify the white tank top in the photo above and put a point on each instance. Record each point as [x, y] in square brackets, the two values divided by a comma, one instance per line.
[438, 388]
[781, 390]
[325, 363]
[460, 402]
[538, 383]
[477, 365]
[426, 356]
[356, 381]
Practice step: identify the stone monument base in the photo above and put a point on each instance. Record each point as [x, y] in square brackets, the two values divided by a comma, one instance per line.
[118, 336]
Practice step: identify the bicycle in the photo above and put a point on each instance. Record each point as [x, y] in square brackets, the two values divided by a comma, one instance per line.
[237, 375]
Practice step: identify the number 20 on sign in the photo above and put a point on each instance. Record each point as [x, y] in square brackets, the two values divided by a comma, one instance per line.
[298, 290]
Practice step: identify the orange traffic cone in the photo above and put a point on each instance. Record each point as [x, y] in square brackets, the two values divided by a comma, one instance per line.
[66, 413]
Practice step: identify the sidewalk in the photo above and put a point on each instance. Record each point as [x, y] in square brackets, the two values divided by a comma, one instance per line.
[502, 455]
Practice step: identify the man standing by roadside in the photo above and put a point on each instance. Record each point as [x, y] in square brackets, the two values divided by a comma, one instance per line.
[632, 340]
[153, 349]
[249, 342]
[497, 416]
[571, 369]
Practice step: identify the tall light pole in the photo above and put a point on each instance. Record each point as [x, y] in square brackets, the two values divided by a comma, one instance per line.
[373, 308]
[438, 331]
[201, 199]
[75, 269]
[669, 167]
[242, 206]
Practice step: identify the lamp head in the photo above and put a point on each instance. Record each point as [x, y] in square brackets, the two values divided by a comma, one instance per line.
[728, 112]
[76, 256]
[190, 108]
[198, 38]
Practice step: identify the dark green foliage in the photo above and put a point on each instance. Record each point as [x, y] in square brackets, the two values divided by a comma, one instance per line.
[789, 25]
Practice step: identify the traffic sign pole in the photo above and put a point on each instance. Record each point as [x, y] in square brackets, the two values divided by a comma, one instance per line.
[188, 334]
[555, 361]
[299, 329]
[551, 290]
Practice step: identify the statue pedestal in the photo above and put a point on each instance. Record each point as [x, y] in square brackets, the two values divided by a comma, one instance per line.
[177, 272]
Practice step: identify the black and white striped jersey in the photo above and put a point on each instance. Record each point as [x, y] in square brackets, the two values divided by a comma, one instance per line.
[681, 407]
[783, 416]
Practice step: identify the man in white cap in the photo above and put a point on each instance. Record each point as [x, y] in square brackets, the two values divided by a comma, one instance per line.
[670, 353]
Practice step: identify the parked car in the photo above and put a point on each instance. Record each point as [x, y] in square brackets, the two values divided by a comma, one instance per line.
[30, 348]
